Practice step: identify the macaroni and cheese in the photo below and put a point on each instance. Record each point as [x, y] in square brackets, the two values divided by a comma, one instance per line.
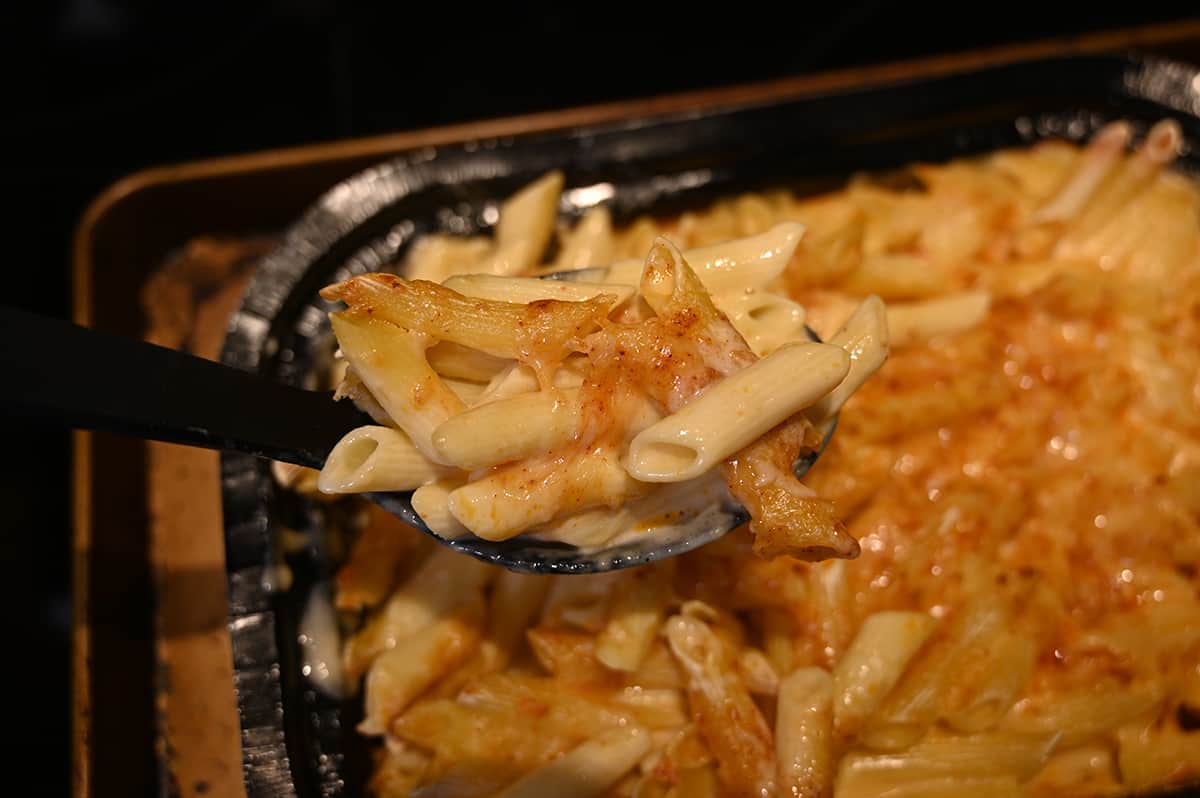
[1022, 475]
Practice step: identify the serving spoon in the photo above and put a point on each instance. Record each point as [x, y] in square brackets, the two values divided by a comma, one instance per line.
[63, 373]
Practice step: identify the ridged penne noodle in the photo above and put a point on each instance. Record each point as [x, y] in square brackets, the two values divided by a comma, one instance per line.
[913, 322]
[766, 320]
[384, 552]
[431, 502]
[986, 687]
[588, 243]
[935, 787]
[580, 603]
[500, 329]
[757, 672]
[804, 743]
[635, 617]
[1090, 769]
[779, 633]
[672, 503]
[873, 664]
[470, 392]
[391, 364]
[518, 379]
[895, 277]
[399, 771]
[677, 296]
[476, 732]
[1129, 178]
[865, 339]
[509, 429]
[440, 585]
[699, 436]
[731, 724]
[917, 700]
[523, 290]
[525, 227]
[1102, 154]
[570, 713]
[1151, 755]
[827, 606]
[655, 707]
[1163, 627]
[437, 257]
[831, 249]
[462, 363]
[943, 760]
[587, 770]
[1086, 714]
[492, 510]
[399, 675]
[733, 265]
[518, 598]
[569, 656]
[376, 459]
[352, 388]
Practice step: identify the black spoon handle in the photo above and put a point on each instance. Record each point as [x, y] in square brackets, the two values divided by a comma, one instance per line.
[81, 378]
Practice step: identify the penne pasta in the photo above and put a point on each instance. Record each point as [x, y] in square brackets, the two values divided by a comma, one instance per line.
[699, 436]
[1102, 154]
[525, 227]
[1150, 755]
[587, 770]
[437, 257]
[737, 264]
[385, 551]
[391, 364]
[986, 687]
[729, 721]
[399, 675]
[518, 599]
[1128, 179]
[514, 428]
[916, 702]
[766, 320]
[895, 277]
[500, 329]
[913, 322]
[462, 363]
[1087, 714]
[492, 510]
[376, 459]
[865, 339]
[635, 616]
[872, 665]
[804, 734]
[431, 502]
[523, 290]
[440, 586]
[589, 243]
[518, 379]
[938, 762]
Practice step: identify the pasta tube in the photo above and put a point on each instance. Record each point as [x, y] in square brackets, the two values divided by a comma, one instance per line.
[391, 363]
[736, 411]
[375, 459]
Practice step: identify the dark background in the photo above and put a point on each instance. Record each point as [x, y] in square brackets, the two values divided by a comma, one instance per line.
[102, 88]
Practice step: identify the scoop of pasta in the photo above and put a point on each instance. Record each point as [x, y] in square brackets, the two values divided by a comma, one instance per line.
[597, 396]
